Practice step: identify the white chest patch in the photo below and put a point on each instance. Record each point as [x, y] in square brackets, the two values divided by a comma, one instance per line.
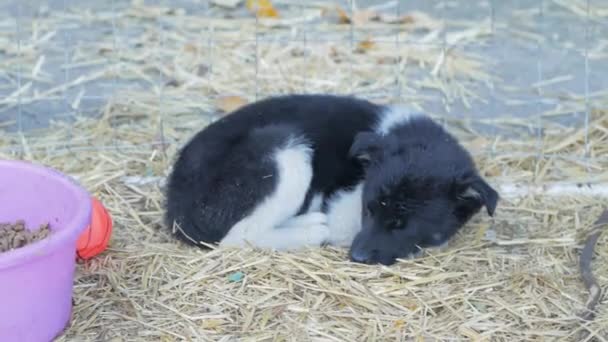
[344, 216]
[273, 223]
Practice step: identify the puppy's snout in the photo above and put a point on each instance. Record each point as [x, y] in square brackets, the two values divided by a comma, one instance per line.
[361, 256]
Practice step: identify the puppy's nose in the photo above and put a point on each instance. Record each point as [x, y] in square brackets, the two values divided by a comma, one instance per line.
[360, 256]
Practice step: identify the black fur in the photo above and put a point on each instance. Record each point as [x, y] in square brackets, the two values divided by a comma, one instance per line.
[418, 180]
[216, 178]
[421, 187]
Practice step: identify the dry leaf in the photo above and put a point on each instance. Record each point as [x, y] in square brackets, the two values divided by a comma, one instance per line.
[365, 45]
[358, 18]
[268, 12]
[229, 104]
[343, 17]
[406, 19]
[415, 18]
[262, 8]
[400, 323]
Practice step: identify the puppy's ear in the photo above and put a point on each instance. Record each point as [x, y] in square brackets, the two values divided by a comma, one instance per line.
[476, 189]
[366, 147]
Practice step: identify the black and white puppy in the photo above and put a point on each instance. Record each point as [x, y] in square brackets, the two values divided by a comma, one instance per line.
[307, 170]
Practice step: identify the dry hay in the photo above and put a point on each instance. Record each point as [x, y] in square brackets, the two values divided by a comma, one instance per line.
[512, 278]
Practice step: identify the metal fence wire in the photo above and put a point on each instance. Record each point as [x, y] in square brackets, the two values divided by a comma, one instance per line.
[517, 70]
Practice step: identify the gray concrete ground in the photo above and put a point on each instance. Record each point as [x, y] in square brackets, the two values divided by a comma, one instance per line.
[519, 63]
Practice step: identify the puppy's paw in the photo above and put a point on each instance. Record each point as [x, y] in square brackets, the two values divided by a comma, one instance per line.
[316, 217]
[317, 235]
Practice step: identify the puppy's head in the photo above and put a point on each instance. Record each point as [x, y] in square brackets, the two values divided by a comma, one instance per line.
[420, 188]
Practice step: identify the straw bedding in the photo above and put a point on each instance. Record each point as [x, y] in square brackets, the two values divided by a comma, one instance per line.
[515, 277]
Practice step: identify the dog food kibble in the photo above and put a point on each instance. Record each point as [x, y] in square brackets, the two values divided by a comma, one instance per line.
[15, 235]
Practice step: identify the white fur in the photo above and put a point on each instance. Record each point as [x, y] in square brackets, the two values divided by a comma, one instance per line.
[263, 228]
[316, 203]
[308, 219]
[393, 116]
[344, 216]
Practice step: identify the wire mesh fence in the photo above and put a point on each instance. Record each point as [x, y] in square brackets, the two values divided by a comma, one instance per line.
[506, 71]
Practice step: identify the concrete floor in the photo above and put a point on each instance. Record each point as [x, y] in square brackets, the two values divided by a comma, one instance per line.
[519, 63]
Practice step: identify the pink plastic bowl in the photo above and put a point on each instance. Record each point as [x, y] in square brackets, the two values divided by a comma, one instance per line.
[36, 281]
